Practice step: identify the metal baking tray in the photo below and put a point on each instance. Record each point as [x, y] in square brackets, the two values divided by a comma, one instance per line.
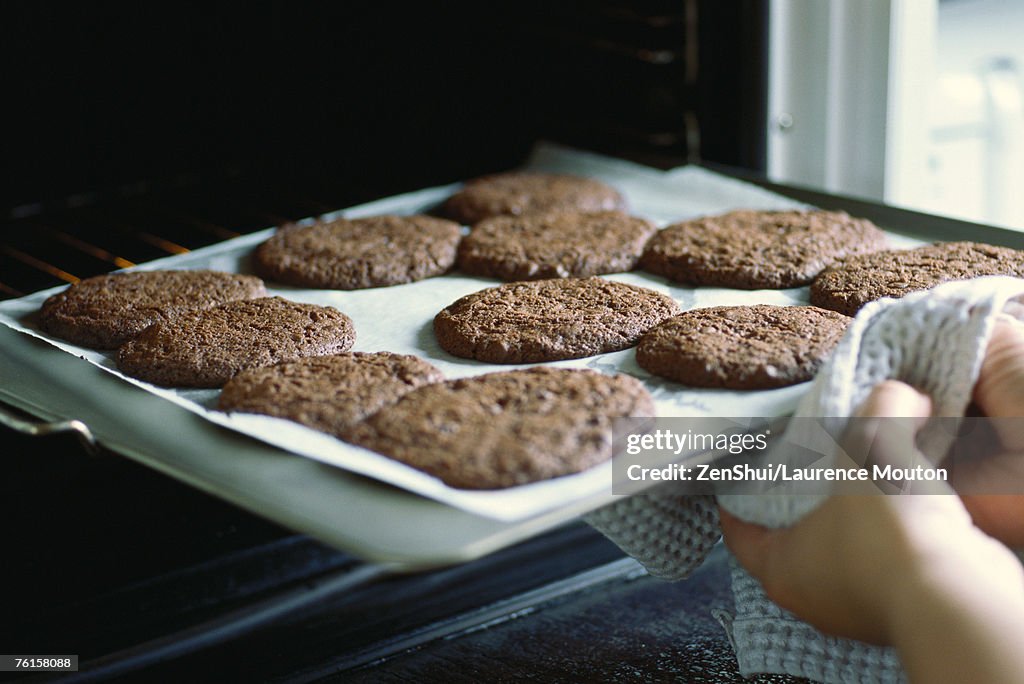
[370, 518]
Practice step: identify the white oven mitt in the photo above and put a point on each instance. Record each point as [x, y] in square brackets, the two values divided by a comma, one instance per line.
[933, 340]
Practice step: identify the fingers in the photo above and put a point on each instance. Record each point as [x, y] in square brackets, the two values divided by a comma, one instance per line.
[837, 568]
[1000, 516]
[892, 398]
[1000, 387]
[883, 431]
[1014, 309]
[999, 393]
[748, 542]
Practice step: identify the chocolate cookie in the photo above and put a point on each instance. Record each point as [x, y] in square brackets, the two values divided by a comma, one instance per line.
[853, 283]
[554, 245]
[742, 347]
[351, 254]
[105, 311]
[549, 320]
[516, 194]
[505, 429]
[327, 393]
[752, 250]
[209, 347]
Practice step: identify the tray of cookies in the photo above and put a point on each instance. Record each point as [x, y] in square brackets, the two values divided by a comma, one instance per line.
[476, 367]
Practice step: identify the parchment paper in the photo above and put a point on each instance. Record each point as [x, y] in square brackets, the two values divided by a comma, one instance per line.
[399, 319]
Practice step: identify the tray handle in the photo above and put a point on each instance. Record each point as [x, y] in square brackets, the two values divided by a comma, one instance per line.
[42, 428]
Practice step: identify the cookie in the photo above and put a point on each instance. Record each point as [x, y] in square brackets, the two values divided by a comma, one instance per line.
[209, 347]
[505, 429]
[105, 311]
[554, 245]
[856, 281]
[549, 320]
[742, 347]
[327, 393]
[517, 194]
[753, 250]
[352, 254]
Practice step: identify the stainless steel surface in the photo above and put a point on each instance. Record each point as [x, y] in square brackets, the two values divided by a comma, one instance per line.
[41, 429]
[371, 520]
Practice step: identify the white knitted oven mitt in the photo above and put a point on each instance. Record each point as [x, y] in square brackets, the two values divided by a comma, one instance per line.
[933, 340]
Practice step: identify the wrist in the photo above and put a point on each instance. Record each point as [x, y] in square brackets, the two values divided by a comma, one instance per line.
[964, 621]
[948, 588]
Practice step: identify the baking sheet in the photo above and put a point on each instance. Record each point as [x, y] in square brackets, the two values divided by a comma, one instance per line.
[399, 319]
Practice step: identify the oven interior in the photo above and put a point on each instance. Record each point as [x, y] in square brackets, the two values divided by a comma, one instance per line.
[146, 130]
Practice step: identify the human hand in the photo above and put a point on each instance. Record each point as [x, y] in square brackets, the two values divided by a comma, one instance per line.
[849, 567]
[999, 393]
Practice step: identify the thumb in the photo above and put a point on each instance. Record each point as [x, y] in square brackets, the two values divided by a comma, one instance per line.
[892, 398]
[883, 431]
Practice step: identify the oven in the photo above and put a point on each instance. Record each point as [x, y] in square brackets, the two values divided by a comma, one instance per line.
[151, 130]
